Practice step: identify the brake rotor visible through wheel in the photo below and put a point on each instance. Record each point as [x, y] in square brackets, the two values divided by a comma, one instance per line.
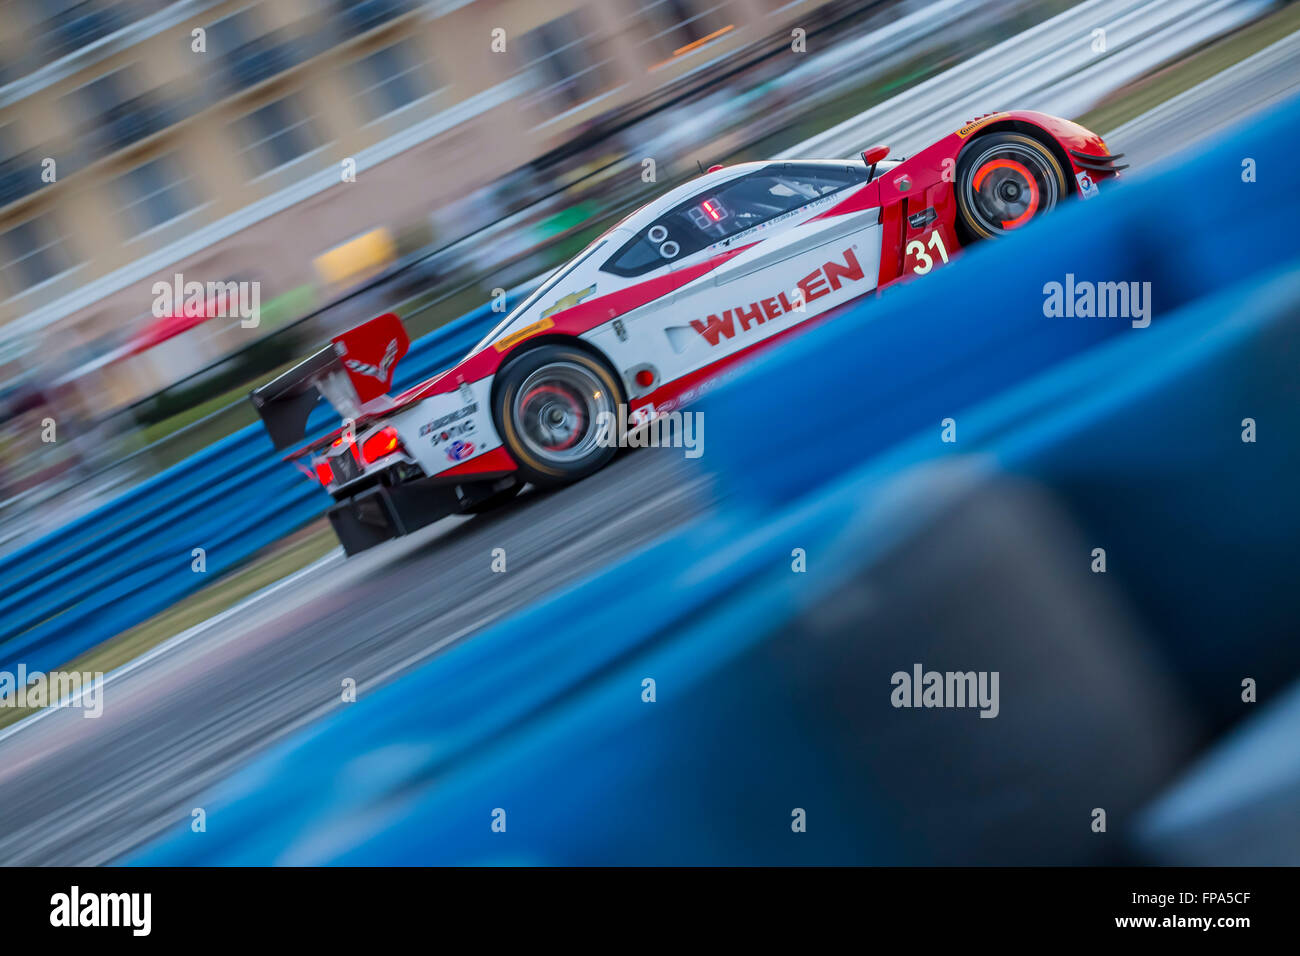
[554, 408]
[1004, 181]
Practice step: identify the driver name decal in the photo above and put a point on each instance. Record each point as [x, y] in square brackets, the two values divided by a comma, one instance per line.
[829, 278]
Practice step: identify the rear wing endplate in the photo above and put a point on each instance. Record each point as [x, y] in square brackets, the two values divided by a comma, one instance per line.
[285, 402]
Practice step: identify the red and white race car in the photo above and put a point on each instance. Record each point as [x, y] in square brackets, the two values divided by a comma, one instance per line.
[654, 311]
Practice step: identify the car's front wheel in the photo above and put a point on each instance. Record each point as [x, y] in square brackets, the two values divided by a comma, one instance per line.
[1004, 181]
[556, 409]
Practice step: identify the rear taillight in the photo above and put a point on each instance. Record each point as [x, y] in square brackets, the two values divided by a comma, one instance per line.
[324, 472]
[381, 443]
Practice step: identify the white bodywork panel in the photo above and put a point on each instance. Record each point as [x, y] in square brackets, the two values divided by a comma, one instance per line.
[745, 302]
[437, 431]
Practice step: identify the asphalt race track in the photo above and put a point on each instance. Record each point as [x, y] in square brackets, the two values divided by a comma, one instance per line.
[78, 791]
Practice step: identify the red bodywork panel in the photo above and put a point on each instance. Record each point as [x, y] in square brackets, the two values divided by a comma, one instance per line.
[370, 353]
[926, 181]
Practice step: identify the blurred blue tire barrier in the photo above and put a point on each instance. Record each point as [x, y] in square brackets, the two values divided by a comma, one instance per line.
[1238, 802]
[773, 689]
[131, 558]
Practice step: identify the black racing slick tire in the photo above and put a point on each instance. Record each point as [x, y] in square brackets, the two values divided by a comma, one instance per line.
[556, 410]
[1004, 181]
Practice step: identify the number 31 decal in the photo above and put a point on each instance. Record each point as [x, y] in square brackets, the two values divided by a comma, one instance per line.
[916, 253]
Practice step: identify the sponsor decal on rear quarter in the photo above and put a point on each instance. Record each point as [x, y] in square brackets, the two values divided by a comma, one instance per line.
[452, 431]
[447, 419]
[460, 450]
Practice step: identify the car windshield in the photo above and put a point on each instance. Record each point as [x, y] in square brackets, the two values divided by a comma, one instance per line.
[728, 209]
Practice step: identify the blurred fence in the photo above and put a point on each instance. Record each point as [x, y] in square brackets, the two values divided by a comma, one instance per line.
[773, 688]
[129, 559]
[1064, 66]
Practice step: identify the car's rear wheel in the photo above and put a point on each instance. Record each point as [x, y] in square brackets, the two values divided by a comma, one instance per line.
[1004, 181]
[556, 410]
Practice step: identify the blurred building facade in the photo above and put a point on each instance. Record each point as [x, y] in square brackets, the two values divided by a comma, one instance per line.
[141, 139]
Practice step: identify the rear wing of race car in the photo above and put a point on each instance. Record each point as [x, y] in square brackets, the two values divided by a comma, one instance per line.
[356, 368]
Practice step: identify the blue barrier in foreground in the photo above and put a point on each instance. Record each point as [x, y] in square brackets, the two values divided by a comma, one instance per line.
[773, 689]
[131, 558]
[1239, 802]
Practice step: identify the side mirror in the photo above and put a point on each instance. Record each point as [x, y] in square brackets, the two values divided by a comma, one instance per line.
[873, 155]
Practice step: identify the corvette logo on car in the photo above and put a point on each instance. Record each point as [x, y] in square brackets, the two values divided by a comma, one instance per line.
[380, 371]
[829, 278]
